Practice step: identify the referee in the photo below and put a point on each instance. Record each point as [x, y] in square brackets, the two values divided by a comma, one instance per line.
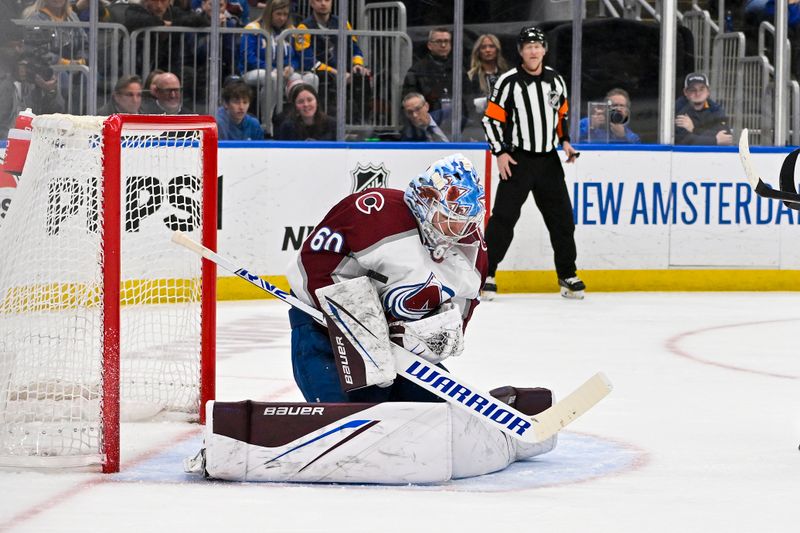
[525, 120]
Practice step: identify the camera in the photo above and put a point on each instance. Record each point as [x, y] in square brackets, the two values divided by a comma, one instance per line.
[617, 117]
[36, 54]
[602, 115]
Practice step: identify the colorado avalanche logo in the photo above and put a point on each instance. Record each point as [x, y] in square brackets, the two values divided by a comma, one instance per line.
[412, 302]
[369, 202]
[367, 175]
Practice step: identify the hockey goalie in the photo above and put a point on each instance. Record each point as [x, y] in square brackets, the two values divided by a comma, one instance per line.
[387, 269]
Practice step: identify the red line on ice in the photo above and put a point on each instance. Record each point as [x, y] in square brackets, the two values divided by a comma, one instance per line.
[673, 342]
[100, 479]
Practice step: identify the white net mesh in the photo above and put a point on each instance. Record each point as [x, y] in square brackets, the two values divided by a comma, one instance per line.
[51, 287]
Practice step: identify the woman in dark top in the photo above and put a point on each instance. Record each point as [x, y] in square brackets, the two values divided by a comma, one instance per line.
[306, 122]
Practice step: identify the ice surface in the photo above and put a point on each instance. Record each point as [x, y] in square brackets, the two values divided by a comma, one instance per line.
[700, 434]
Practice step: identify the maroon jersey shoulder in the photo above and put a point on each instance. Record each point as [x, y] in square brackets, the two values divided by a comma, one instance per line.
[369, 216]
[355, 223]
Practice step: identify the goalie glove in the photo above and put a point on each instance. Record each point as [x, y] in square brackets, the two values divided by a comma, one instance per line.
[434, 338]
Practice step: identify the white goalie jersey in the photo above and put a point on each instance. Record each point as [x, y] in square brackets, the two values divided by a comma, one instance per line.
[373, 233]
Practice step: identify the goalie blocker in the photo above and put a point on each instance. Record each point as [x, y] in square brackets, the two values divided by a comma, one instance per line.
[360, 336]
[391, 442]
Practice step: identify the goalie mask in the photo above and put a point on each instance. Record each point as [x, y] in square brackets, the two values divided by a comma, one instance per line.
[447, 201]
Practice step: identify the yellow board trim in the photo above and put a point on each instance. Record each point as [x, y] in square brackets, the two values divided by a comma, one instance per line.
[530, 281]
[45, 297]
[233, 288]
[655, 280]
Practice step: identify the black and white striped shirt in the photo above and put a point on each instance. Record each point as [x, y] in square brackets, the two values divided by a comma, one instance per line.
[527, 112]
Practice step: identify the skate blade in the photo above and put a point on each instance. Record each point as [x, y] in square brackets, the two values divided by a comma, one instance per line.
[488, 296]
[572, 295]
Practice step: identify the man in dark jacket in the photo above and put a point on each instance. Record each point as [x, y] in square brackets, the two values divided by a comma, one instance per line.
[127, 97]
[432, 76]
[698, 119]
[156, 13]
[422, 124]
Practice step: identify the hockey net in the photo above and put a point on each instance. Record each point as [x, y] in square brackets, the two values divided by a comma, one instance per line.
[101, 315]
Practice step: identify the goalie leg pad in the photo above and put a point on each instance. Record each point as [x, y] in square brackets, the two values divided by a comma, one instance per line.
[478, 448]
[392, 443]
[358, 332]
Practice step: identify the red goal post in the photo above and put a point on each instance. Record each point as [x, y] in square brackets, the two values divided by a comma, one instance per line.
[98, 308]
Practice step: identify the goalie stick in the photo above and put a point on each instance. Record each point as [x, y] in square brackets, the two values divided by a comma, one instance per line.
[761, 188]
[530, 429]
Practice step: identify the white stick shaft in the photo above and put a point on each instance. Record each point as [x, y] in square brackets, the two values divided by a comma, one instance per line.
[184, 240]
[761, 188]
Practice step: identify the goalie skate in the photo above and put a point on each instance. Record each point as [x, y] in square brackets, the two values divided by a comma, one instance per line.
[572, 288]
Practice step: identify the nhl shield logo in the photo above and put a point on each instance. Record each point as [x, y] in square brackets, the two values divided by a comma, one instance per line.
[367, 175]
[554, 96]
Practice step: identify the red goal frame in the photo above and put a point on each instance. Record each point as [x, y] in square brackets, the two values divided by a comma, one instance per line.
[113, 128]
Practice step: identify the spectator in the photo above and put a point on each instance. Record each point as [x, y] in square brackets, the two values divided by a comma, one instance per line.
[233, 122]
[306, 121]
[322, 54]
[169, 96]
[157, 13]
[280, 118]
[253, 48]
[609, 123]
[149, 94]
[59, 46]
[82, 9]
[318, 53]
[10, 97]
[486, 65]
[239, 9]
[197, 55]
[127, 97]
[422, 125]
[253, 56]
[22, 85]
[117, 11]
[432, 76]
[700, 120]
[68, 46]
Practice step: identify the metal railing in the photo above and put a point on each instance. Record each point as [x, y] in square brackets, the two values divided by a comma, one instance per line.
[629, 9]
[373, 102]
[302, 10]
[754, 82]
[728, 51]
[700, 24]
[792, 120]
[794, 109]
[384, 16]
[184, 52]
[112, 61]
[387, 51]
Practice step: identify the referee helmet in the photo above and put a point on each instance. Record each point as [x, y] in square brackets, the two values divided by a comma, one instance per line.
[531, 34]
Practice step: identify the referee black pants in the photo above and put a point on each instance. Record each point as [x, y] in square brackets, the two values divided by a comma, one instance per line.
[543, 176]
